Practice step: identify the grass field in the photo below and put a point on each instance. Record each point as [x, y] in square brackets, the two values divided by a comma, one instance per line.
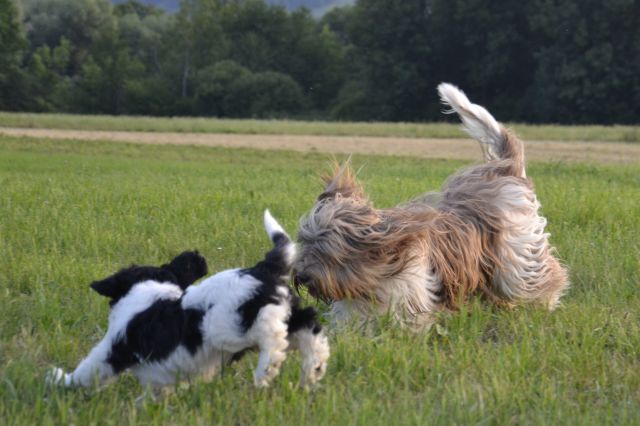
[72, 212]
[213, 125]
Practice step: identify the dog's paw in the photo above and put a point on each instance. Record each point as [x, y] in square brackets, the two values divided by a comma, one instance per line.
[319, 371]
[310, 376]
[262, 379]
[55, 377]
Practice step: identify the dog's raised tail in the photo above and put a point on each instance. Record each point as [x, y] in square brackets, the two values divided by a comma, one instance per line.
[283, 251]
[497, 143]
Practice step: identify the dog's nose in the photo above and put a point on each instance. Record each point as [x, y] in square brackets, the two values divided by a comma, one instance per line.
[300, 278]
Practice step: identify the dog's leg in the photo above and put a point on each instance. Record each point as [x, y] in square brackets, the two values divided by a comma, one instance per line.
[93, 369]
[215, 364]
[314, 350]
[529, 270]
[270, 331]
[532, 277]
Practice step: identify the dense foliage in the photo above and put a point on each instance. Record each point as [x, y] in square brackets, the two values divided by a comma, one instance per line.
[570, 61]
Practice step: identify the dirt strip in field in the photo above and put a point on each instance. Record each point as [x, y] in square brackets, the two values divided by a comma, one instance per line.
[460, 149]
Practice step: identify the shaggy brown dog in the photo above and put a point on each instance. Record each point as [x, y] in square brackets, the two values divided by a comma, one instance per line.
[480, 233]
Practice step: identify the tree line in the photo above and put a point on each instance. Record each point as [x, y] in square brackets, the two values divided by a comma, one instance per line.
[551, 61]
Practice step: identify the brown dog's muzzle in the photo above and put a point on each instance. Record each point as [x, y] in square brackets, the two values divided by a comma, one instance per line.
[300, 279]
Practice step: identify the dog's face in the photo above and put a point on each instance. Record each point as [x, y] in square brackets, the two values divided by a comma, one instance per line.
[322, 264]
[344, 245]
[347, 249]
[333, 241]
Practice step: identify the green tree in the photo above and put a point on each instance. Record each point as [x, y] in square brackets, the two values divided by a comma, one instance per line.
[392, 51]
[108, 75]
[135, 7]
[268, 38]
[487, 49]
[314, 56]
[257, 33]
[228, 89]
[588, 61]
[270, 94]
[12, 43]
[215, 89]
[79, 21]
[351, 102]
[339, 21]
[194, 40]
[142, 29]
[49, 85]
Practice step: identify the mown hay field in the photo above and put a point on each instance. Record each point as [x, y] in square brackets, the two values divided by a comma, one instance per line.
[451, 129]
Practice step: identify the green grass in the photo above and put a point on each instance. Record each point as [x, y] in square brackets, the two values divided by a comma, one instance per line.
[213, 125]
[72, 212]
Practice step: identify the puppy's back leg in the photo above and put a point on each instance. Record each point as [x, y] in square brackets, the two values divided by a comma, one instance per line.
[270, 333]
[93, 369]
[314, 350]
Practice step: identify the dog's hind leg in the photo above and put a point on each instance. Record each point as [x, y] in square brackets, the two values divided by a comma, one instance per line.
[215, 365]
[496, 142]
[94, 369]
[532, 276]
[529, 271]
[314, 350]
[270, 332]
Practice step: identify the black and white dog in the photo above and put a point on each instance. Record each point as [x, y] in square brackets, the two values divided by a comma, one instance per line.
[161, 329]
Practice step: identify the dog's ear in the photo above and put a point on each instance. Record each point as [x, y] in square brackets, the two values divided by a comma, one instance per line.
[117, 286]
[187, 267]
[109, 287]
[341, 181]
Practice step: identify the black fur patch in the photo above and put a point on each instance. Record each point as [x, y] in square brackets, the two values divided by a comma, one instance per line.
[153, 334]
[183, 270]
[265, 294]
[188, 266]
[118, 285]
[302, 318]
[274, 262]
[239, 355]
[269, 272]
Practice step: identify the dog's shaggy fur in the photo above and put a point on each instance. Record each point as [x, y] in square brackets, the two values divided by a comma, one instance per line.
[161, 333]
[481, 233]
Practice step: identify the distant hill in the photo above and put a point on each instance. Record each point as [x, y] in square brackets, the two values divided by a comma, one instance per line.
[167, 5]
[317, 7]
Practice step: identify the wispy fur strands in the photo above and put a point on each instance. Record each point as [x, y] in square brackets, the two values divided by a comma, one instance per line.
[480, 233]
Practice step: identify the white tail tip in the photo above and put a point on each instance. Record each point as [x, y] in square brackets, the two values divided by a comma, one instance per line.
[271, 225]
[448, 92]
[477, 120]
